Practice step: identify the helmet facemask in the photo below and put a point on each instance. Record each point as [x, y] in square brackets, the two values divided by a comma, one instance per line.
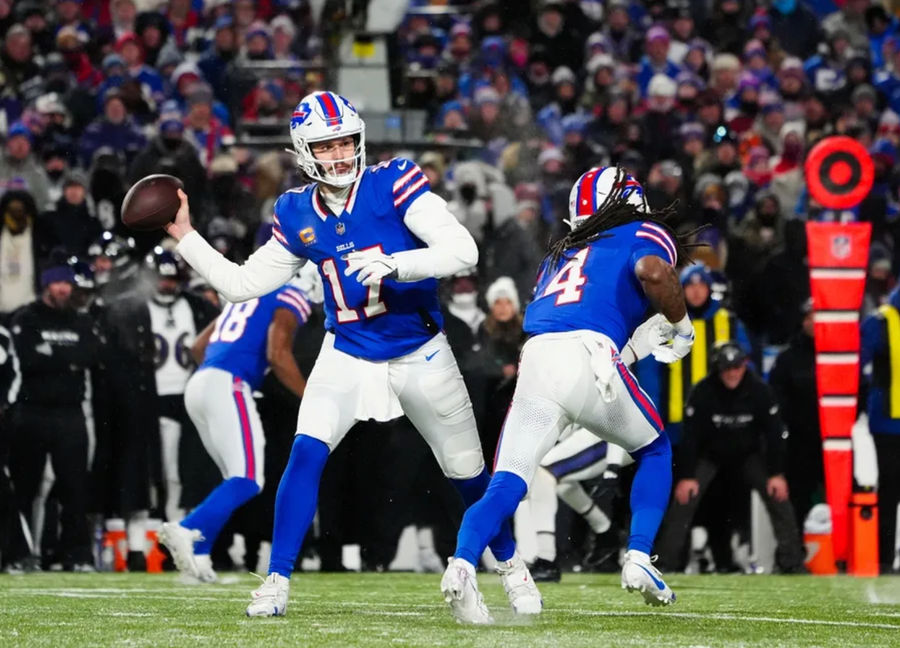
[318, 170]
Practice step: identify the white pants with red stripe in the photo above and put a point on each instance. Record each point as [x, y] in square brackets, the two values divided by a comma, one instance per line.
[425, 385]
[221, 406]
[574, 377]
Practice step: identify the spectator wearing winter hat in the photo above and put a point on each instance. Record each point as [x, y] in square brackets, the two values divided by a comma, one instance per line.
[659, 125]
[864, 100]
[70, 42]
[213, 64]
[726, 74]
[565, 102]
[771, 119]
[459, 50]
[795, 27]
[538, 79]
[31, 14]
[787, 171]
[850, 19]
[887, 81]
[202, 128]
[170, 152]
[879, 26]
[451, 117]
[501, 338]
[55, 157]
[683, 32]
[114, 128]
[564, 42]
[485, 122]
[793, 87]
[257, 42]
[16, 59]
[826, 71]
[152, 31]
[185, 22]
[70, 225]
[284, 35]
[656, 60]
[687, 92]
[623, 36]
[129, 47]
[756, 61]
[745, 106]
[601, 71]
[579, 152]
[19, 168]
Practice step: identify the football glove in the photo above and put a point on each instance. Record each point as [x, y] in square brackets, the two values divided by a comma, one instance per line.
[372, 266]
[679, 344]
[654, 332]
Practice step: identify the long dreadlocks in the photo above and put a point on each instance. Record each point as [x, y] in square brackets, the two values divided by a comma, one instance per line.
[613, 212]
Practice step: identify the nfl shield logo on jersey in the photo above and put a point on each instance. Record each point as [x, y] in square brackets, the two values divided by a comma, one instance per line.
[340, 229]
[840, 246]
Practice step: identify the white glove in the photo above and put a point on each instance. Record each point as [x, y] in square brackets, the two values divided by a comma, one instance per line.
[680, 343]
[372, 266]
[653, 333]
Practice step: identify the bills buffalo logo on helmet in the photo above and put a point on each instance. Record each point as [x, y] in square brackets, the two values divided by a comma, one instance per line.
[301, 112]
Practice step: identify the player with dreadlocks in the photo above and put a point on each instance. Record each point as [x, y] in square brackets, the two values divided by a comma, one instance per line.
[594, 288]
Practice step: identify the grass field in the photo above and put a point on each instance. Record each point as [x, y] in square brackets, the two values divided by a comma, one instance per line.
[57, 610]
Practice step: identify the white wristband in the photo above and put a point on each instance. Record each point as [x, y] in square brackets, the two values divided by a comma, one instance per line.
[683, 327]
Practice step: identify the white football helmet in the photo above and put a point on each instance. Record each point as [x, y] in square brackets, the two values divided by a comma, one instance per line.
[593, 188]
[322, 116]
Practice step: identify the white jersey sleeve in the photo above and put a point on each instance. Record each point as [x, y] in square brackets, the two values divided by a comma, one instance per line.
[271, 266]
[450, 246]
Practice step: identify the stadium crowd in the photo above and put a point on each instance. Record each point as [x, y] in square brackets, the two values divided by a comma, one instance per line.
[711, 105]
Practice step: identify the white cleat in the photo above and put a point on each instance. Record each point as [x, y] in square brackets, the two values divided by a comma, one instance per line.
[639, 575]
[524, 597]
[180, 542]
[271, 598]
[205, 571]
[460, 589]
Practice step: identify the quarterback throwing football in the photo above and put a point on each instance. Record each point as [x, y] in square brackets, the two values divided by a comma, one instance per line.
[379, 238]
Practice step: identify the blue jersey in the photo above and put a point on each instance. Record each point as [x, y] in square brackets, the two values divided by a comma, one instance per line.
[238, 342]
[380, 322]
[596, 288]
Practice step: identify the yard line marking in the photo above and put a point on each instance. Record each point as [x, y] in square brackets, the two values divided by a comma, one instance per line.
[731, 617]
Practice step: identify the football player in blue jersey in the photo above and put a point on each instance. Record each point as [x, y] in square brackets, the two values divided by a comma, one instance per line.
[593, 290]
[380, 239]
[234, 352]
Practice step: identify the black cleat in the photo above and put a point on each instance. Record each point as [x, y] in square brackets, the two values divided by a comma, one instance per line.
[545, 571]
[603, 553]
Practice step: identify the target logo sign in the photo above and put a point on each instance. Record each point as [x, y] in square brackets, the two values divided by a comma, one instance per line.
[839, 172]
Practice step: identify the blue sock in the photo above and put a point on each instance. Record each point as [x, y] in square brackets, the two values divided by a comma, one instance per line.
[214, 511]
[503, 546]
[650, 492]
[489, 518]
[296, 501]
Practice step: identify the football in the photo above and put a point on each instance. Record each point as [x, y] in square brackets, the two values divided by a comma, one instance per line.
[151, 203]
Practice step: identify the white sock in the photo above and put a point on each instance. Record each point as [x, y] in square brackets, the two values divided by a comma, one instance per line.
[425, 539]
[137, 531]
[597, 519]
[546, 545]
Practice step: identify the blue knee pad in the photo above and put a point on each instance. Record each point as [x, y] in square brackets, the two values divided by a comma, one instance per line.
[650, 492]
